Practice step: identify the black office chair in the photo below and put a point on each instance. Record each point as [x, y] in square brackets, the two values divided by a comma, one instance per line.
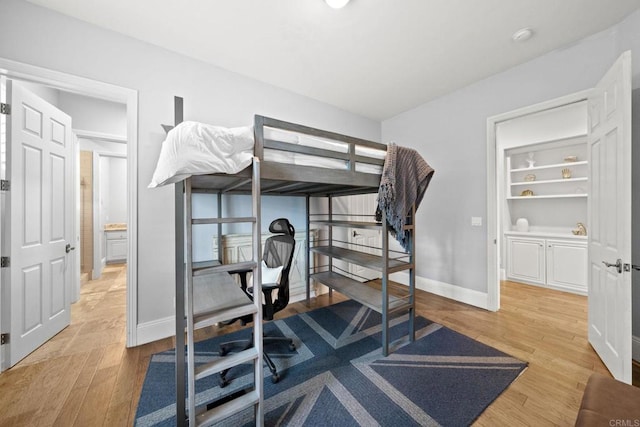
[278, 251]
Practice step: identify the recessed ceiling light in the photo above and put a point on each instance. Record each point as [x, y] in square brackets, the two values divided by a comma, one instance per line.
[337, 4]
[522, 35]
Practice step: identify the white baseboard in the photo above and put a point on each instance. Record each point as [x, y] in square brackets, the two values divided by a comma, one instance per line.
[447, 290]
[301, 296]
[155, 330]
[503, 274]
[163, 328]
[635, 348]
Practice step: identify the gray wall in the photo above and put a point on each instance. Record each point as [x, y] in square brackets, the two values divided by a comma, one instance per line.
[95, 115]
[116, 202]
[212, 95]
[450, 132]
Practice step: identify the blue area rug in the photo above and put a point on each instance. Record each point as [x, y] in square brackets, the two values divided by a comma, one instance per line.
[338, 376]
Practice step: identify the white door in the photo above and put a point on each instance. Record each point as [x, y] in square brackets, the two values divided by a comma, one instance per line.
[38, 222]
[363, 239]
[610, 219]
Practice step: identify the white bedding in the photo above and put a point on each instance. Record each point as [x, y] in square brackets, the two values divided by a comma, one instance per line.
[318, 142]
[193, 148]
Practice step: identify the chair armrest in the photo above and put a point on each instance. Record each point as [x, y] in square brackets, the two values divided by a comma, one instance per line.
[243, 277]
[242, 271]
[269, 286]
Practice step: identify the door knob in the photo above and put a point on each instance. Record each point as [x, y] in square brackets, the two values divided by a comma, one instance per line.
[355, 233]
[617, 265]
[68, 248]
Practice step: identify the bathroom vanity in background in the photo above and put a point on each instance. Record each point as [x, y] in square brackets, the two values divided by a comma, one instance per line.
[116, 243]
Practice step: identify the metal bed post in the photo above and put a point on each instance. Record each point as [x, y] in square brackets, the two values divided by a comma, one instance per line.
[191, 386]
[385, 283]
[178, 117]
[220, 251]
[180, 315]
[330, 207]
[412, 276]
[257, 290]
[307, 258]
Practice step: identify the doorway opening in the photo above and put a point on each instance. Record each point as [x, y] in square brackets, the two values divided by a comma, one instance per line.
[606, 122]
[103, 205]
[508, 144]
[73, 86]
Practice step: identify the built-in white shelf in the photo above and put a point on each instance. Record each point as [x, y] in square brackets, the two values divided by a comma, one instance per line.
[548, 196]
[550, 181]
[567, 235]
[555, 165]
[548, 184]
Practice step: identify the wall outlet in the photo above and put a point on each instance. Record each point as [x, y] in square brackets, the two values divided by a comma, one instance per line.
[476, 221]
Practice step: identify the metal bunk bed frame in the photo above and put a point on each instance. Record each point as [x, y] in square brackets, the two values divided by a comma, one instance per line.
[293, 180]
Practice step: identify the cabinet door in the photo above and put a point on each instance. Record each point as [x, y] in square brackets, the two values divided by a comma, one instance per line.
[116, 250]
[526, 260]
[567, 265]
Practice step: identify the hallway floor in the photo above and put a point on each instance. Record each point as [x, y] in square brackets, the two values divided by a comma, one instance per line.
[72, 378]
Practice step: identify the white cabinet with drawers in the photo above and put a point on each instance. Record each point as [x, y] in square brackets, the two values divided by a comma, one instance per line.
[548, 260]
[116, 246]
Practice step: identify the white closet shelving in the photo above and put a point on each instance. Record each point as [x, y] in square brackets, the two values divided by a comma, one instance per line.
[550, 191]
[547, 181]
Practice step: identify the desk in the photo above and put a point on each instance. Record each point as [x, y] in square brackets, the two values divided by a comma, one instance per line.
[217, 297]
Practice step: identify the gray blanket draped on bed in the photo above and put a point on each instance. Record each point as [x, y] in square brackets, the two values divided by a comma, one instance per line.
[404, 180]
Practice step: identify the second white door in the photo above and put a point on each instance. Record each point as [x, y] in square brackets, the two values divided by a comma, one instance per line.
[38, 222]
[609, 277]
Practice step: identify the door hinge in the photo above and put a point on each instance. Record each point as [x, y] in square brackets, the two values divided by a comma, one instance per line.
[5, 261]
[5, 109]
[5, 185]
[4, 338]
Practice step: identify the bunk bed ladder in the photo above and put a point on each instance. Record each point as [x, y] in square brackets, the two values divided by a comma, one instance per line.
[229, 303]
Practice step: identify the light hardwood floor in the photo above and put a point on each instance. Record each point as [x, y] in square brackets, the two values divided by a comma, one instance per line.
[86, 377]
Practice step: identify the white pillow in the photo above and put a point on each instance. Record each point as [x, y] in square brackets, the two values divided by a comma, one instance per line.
[193, 148]
[271, 275]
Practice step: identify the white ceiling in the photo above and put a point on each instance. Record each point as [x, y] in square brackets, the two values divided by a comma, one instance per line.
[376, 58]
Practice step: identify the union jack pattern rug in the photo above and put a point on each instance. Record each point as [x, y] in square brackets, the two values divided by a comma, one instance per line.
[338, 376]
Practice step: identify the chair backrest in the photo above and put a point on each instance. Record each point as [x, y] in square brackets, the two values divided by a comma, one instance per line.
[278, 251]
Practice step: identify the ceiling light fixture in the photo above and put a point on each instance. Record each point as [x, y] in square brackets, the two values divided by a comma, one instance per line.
[337, 4]
[522, 35]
